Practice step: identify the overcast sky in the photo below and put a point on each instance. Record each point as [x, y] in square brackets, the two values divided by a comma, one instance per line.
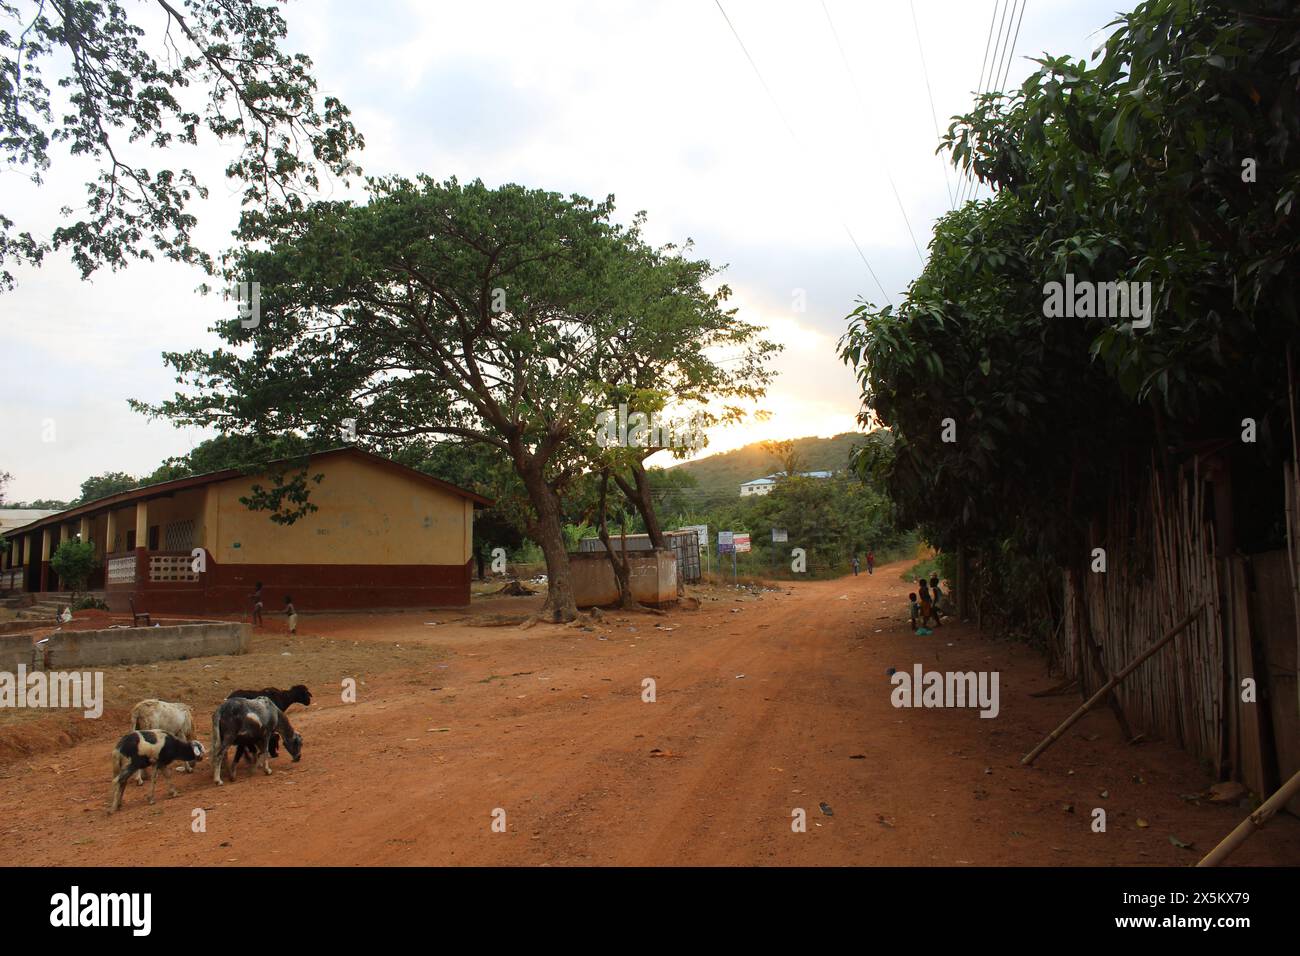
[654, 102]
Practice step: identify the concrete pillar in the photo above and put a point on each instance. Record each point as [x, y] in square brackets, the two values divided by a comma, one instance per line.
[142, 525]
[85, 529]
[47, 546]
[141, 546]
[110, 532]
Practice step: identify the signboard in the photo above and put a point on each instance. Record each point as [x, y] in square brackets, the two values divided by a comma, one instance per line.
[726, 542]
[779, 535]
[701, 531]
[741, 542]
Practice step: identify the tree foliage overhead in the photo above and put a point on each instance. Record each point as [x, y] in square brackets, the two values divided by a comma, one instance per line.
[109, 483]
[1174, 159]
[157, 74]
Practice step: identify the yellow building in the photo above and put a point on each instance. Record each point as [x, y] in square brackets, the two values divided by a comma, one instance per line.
[382, 535]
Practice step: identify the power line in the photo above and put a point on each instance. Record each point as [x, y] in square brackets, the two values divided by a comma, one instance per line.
[863, 107]
[1005, 57]
[1006, 73]
[989, 85]
[790, 129]
[1007, 48]
[934, 115]
[988, 43]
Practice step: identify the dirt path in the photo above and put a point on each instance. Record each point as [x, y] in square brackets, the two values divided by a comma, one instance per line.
[549, 726]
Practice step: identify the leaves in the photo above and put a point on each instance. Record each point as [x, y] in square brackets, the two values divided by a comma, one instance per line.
[119, 93]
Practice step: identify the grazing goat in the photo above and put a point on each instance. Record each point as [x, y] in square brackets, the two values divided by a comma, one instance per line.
[251, 723]
[175, 719]
[297, 694]
[149, 748]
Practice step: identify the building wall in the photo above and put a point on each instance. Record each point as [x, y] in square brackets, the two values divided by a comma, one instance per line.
[368, 514]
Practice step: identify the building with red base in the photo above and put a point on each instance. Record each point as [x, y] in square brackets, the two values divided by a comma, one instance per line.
[381, 535]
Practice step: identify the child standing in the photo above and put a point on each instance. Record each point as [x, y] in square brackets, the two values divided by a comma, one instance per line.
[855, 565]
[927, 606]
[871, 562]
[291, 613]
[937, 592]
[916, 609]
[257, 604]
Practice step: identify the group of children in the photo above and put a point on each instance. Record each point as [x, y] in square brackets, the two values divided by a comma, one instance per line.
[871, 563]
[290, 612]
[929, 605]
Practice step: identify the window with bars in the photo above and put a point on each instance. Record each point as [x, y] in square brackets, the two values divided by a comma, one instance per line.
[179, 536]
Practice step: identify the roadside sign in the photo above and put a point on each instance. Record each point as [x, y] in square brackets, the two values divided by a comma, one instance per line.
[701, 531]
[741, 542]
[726, 542]
[779, 535]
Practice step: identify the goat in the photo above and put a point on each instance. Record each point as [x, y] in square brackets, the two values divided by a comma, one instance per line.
[249, 753]
[175, 719]
[149, 748]
[252, 723]
[297, 694]
[284, 699]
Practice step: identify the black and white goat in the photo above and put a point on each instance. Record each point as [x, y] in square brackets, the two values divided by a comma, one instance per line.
[250, 723]
[149, 748]
[284, 699]
[169, 717]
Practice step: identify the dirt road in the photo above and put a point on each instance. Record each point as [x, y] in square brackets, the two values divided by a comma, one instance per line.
[764, 705]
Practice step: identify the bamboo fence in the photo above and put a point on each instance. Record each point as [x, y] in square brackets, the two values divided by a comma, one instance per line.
[1161, 564]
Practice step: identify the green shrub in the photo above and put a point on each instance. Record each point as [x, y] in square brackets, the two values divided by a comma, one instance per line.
[73, 562]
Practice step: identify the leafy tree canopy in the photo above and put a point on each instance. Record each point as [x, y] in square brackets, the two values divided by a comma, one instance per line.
[157, 74]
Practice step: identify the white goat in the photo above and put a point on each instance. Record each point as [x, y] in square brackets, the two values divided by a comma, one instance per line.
[170, 718]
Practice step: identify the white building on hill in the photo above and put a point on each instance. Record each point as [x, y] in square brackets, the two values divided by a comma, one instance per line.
[764, 485]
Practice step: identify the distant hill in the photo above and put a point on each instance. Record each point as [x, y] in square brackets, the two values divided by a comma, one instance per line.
[723, 474]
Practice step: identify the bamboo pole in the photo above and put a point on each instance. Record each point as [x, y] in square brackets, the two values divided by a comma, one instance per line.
[1293, 547]
[1098, 697]
[1253, 823]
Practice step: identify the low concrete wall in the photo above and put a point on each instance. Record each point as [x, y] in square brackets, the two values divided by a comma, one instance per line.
[651, 574]
[69, 650]
[15, 649]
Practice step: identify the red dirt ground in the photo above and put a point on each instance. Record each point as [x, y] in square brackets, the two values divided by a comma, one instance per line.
[548, 725]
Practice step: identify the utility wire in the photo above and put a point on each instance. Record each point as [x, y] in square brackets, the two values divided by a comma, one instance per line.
[1006, 73]
[994, 65]
[1008, 46]
[1003, 59]
[790, 129]
[988, 43]
[934, 115]
[863, 107]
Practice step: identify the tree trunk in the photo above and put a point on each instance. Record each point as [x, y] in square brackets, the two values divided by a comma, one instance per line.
[963, 583]
[619, 564]
[640, 497]
[548, 531]
[643, 502]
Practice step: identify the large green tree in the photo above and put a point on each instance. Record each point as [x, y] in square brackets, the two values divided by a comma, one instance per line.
[158, 74]
[439, 309]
